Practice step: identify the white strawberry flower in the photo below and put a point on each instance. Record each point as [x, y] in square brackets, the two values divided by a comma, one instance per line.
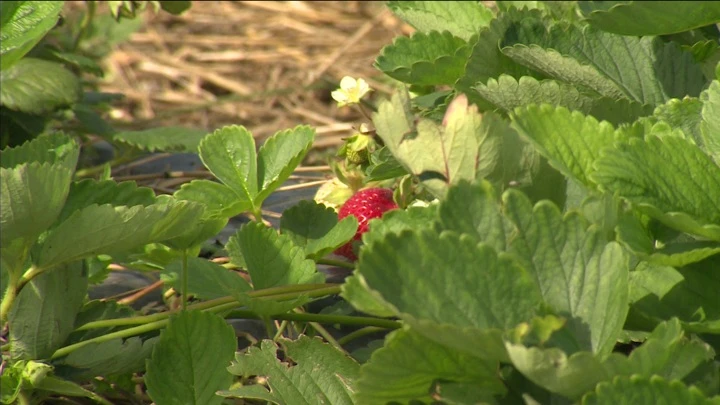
[351, 91]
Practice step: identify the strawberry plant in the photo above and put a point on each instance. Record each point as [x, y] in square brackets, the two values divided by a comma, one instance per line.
[554, 233]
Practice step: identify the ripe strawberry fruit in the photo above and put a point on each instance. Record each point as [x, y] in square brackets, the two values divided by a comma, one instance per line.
[364, 205]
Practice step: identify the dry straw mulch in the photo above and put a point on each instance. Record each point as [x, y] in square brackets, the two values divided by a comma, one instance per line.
[267, 65]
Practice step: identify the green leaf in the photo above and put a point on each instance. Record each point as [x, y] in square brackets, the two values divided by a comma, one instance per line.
[319, 373]
[31, 198]
[315, 228]
[460, 18]
[206, 280]
[37, 86]
[661, 354]
[43, 314]
[22, 25]
[272, 260]
[577, 272]
[710, 124]
[11, 382]
[660, 177]
[406, 367]
[176, 7]
[570, 141]
[167, 139]
[638, 18]
[188, 363]
[486, 60]
[443, 293]
[440, 155]
[106, 229]
[279, 156]
[54, 148]
[219, 199]
[90, 191]
[684, 114]
[205, 228]
[645, 70]
[690, 293]
[425, 59]
[473, 209]
[113, 357]
[508, 93]
[229, 153]
[637, 390]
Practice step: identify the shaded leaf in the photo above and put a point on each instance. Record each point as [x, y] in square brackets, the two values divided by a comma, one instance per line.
[167, 139]
[638, 18]
[406, 367]
[187, 364]
[38, 86]
[206, 280]
[637, 390]
[43, 314]
[315, 228]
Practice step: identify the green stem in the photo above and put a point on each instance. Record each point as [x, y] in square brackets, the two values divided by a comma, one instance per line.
[337, 263]
[324, 318]
[30, 274]
[330, 339]
[90, 171]
[84, 24]
[125, 333]
[7, 301]
[275, 293]
[184, 280]
[359, 333]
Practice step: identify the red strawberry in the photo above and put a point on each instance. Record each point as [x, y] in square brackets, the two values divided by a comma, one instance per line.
[364, 205]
